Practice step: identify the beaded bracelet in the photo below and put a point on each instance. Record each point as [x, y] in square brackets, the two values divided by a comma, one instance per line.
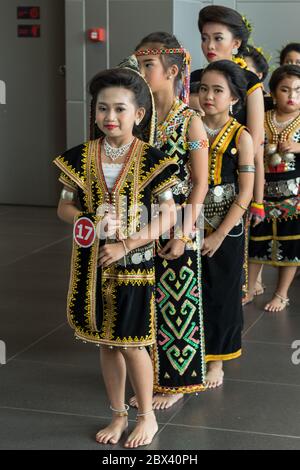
[197, 144]
[257, 209]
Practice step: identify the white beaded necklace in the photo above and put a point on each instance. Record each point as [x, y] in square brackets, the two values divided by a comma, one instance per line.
[116, 152]
[282, 123]
[212, 132]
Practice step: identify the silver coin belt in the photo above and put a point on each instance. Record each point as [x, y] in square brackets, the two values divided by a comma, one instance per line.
[217, 203]
[138, 255]
[282, 188]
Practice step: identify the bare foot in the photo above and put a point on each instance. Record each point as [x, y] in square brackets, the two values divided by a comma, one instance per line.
[215, 374]
[133, 402]
[247, 299]
[163, 402]
[112, 433]
[143, 433]
[277, 304]
[259, 288]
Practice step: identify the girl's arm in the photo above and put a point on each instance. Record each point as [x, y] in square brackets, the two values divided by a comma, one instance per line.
[67, 208]
[255, 124]
[199, 173]
[238, 208]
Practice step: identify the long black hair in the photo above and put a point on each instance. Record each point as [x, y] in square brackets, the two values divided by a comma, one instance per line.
[260, 62]
[234, 76]
[228, 17]
[125, 78]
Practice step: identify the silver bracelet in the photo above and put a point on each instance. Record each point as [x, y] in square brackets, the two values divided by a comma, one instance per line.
[165, 196]
[246, 168]
[67, 195]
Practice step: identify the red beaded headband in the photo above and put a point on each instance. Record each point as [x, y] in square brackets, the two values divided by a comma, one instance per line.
[184, 95]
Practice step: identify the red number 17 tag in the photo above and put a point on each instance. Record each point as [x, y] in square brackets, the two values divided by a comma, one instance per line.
[84, 232]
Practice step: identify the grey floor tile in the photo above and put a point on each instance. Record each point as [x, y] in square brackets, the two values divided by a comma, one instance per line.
[245, 406]
[265, 362]
[174, 437]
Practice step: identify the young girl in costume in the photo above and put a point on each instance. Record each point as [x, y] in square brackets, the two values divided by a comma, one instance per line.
[276, 241]
[178, 356]
[290, 54]
[112, 304]
[231, 179]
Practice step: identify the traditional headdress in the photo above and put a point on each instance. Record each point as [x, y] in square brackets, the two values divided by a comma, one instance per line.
[186, 66]
[149, 131]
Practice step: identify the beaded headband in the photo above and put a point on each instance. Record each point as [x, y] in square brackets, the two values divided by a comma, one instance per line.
[186, 66]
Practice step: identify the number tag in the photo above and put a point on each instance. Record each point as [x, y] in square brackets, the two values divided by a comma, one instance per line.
[84, 232]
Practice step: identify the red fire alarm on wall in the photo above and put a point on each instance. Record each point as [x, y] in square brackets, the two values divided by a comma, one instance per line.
[96, 34]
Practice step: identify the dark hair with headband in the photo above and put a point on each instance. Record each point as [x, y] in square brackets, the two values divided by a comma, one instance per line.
[281, 73]
[169, 41]
[228, 17]
[234, 76]
[124, 78]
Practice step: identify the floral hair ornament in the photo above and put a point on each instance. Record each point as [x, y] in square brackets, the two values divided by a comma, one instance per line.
[186, 66]
[247, 24]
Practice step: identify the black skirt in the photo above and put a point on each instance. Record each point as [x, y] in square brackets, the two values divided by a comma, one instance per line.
[222, 298]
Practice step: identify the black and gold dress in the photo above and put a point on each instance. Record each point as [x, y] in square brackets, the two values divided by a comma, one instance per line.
[276, 240]
[222, 273]
[115, 305]
[179, 355]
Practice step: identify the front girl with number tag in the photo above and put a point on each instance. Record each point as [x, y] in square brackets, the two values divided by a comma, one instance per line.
[110, 182]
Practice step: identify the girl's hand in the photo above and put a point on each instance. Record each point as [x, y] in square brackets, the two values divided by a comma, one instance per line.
[289, 146]
[110, 253]
[211, 244]
[173, 249]
[255, 220]
[108, 226]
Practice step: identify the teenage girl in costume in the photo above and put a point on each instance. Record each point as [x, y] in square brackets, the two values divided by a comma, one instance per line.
[112, 304]
[276, 241]
[178, 356]
[231, 179]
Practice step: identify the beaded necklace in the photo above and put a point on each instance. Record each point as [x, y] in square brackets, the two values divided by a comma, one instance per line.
[216, 148]
[283, 135]
[166, 128]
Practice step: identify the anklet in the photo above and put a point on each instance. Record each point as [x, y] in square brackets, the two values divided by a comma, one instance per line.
[283, 300]
[144, 414]
[120, 413]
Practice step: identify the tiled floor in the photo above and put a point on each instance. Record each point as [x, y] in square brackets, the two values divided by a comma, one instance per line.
[51, 391]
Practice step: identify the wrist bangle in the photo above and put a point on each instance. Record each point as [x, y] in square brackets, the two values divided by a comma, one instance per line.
[185, 239]
[125, 247]
[240, 205]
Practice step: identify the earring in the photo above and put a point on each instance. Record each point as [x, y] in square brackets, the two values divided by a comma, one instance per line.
[230, 108]
[235, 51]
[137, 123]
[274, 101]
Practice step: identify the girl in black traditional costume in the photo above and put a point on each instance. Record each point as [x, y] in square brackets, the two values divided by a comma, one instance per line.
[276, 241]
[231, 178]
[110, 181]
[179, 355]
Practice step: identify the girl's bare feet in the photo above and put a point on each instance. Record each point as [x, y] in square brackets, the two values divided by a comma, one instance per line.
[112, 433]
[143, 433]
[247, 299]
[259, 288]
[133, 402]
[215, 374]
[163, 402]
[160, 401]
[277, 304]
